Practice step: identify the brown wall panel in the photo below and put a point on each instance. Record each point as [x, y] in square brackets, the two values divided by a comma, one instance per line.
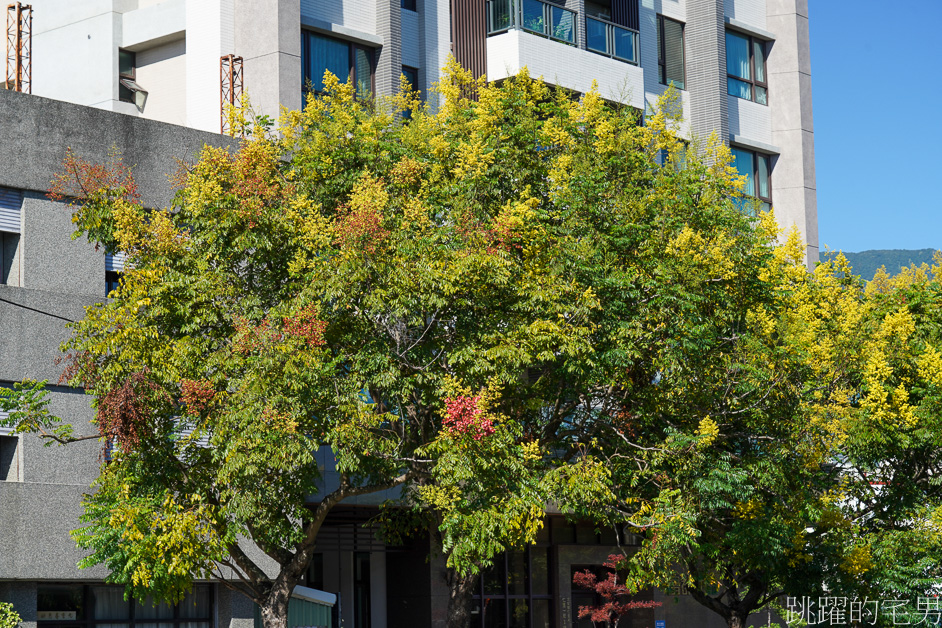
[469, 35]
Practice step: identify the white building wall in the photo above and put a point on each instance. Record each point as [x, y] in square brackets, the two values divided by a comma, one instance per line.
[564, 65]
[161, 70]
[434, 41]
[356, 14]
[75, 51]
[751, 12]
[749, 120]
[208, 37]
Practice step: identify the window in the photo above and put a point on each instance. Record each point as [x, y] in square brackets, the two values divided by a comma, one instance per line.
[412, 78]
[609, 33]
[745, 68]
[128, 89]
[346, 60]
[756, 167]
[361, 590]
[9, 458]
[409, 4]
[671, 68]
[11, 203]
[103, 606]
[9, 258]
[515, 591]
[114, 268]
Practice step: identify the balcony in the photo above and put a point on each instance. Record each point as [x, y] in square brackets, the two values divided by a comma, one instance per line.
[533, 16]
[605, 38]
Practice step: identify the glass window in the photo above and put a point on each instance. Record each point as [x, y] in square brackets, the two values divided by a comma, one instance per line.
[126, 63]
[515, 591]
[104, 606]
[746, 165]
[345, 60]
[756, 167]
[745, 68]
[671, 67]
[409, 4]
[60, 602]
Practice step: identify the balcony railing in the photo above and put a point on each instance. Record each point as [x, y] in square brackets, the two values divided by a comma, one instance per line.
[533, 16]
[611, 40]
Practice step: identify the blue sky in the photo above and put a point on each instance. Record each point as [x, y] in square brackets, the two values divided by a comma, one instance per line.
[876, 72]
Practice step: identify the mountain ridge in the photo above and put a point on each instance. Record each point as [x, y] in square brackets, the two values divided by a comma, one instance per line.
[866, 263]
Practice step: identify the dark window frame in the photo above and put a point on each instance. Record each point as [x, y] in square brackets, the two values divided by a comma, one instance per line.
[482, 598]
[125, 94]
[409, 5]
[752, 81]
[662, 51]
[352, 47]
[130, 621]
[756, 156]
[409, 68]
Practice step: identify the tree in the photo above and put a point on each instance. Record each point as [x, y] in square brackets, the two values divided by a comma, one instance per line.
[330, 286]
[789, 450]
[616, 596]
[509, 301]
[629, 218]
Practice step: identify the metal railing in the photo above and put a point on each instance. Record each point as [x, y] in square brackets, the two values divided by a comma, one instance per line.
[611, 40]
[533, 16]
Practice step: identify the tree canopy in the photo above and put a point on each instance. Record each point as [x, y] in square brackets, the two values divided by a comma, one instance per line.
[515, 300]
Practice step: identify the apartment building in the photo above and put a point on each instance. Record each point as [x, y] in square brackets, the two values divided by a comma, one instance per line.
[145, 76]
[742, 66]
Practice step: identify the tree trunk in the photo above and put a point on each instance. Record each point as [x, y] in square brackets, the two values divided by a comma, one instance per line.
[737, 620]
[459, 600]
[274, 608]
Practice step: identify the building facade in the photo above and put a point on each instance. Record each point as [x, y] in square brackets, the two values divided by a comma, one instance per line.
[144, 76]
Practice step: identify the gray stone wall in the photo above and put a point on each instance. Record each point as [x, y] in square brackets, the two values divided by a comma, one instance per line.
[61, 277]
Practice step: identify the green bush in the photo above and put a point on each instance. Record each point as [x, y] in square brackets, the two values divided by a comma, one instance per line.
[9, 618]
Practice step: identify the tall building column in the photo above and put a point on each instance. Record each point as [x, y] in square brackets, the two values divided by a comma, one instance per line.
[389, 63]
[794, 189]
[268, 38]
[705, 41]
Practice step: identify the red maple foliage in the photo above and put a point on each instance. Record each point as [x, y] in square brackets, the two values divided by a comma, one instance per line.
[616, 598]
[124, 412]
[305, 324]
[196, 394]
[361, 228]
[81, 179]
[463, 415]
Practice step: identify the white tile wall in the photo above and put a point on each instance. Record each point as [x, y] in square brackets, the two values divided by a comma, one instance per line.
[750, 120]
[356, 14]
[564, 65]
[751, 12]
[649, 10]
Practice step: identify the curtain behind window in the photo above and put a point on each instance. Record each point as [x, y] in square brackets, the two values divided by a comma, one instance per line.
[745, 166]
[737, 55]
[327, 54]
[109, 603]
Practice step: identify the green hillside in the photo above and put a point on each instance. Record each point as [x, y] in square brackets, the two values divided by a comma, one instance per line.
[866, 263]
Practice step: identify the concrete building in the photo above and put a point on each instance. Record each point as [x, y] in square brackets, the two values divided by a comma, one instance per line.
[742, 66]
[144, 76]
